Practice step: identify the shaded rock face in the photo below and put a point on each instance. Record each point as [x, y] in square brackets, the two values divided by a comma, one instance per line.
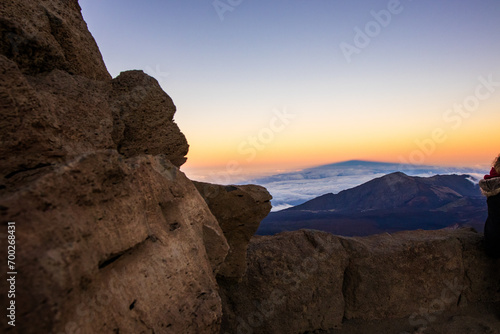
[52, 117]
[239, 211]
[111, 236]
[58, 98]
[293, 284]
[46, 35]
[114, 245]
[389, 275]
[143, 118]
[49, 118]
[308, 280]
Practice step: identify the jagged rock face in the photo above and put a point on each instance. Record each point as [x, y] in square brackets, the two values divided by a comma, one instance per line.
[112, 236]
[143, 118]
[56, 116]
[53, 108]
[239, 211]
[114, 245]
[48, 118]
[308, 280]
[46, 35]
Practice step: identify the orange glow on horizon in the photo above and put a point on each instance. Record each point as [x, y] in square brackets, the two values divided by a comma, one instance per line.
[455, 151]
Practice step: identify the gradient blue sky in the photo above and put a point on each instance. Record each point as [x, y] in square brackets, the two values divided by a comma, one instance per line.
[229, 77]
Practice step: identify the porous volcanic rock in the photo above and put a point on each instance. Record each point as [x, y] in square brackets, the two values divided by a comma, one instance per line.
[112, 245]
[48, 118]
[239, 211]
[143, 118]
[392, 276]
[304, 281]
[293, 284]
[45, 35]
[111, 236]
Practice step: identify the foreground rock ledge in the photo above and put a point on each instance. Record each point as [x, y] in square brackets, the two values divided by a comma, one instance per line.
[309, 280]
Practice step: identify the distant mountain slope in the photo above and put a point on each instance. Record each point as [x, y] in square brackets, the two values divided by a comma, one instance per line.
[396, 190]
[386, 204]
[294, 188]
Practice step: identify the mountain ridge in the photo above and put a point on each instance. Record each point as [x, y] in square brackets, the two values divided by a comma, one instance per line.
[294, 188]
[381, 204]
[449, 186]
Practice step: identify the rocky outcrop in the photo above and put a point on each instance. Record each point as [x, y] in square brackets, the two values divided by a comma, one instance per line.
[45, 35]
[112, 237]
[58, 116]
[49, 118]
[58, 100]
[310, 280]
[143, 118]
[239, 211]
[293, 284]
[111, 245]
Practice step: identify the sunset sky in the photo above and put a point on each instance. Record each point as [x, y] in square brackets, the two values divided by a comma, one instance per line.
[271, 86]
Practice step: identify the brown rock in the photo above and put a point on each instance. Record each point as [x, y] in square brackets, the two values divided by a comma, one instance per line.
[239, 211]
[305, 281]
[394, 276]
[473, 318]
[293, 284]
[49, 118]
[143, 118]
[481, 271]
[45, 35]
[106, 243]
[112, 245]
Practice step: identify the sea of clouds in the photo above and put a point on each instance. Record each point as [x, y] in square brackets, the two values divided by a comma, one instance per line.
[294, 188]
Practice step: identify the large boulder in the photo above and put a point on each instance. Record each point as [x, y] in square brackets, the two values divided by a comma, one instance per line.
[144, 118]
[393, 276]
[293, 284]
[111, 245]
[239, 211]
[111, 235]
[305, 281]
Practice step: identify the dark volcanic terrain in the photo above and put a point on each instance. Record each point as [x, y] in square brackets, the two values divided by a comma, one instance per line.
[391, 203]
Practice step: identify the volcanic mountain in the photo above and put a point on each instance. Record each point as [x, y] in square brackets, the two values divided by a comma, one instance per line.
[390, 203]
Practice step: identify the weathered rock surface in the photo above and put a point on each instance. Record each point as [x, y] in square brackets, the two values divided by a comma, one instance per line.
[389, 275]
[293, 284]
[45, 35]
[48, 118]
[51, 117]
[143, 118]
[111, 236]
[239, 211]
[480, 318]
[59, 101]
[305, 280]
[112, 245]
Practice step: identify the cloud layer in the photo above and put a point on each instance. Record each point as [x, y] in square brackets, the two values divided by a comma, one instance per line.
[295, 188]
